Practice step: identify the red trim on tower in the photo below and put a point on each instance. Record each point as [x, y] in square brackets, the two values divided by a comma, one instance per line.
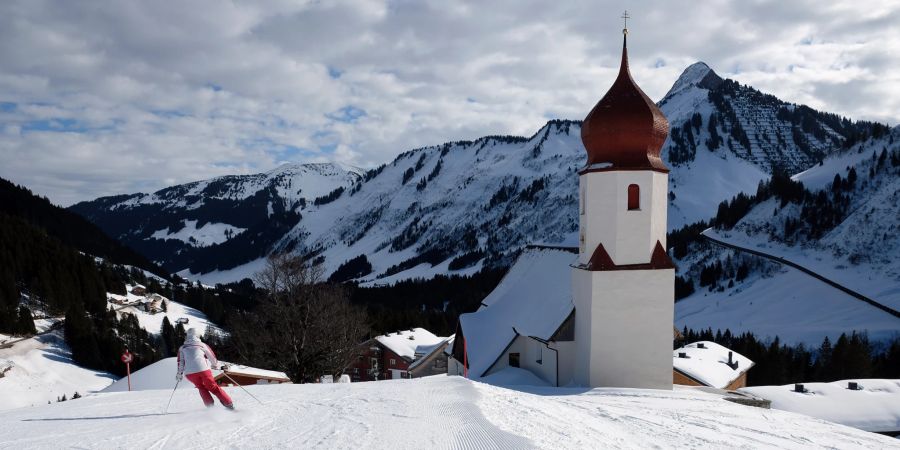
[601, 262]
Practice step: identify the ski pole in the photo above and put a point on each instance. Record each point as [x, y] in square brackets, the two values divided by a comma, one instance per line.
[166, 411]
[239, 385]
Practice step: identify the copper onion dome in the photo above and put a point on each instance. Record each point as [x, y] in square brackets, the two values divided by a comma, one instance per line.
[625, 130]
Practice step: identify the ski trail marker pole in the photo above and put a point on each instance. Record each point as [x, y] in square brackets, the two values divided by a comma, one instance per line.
[127, 357]
[239, 385]
[166, 411]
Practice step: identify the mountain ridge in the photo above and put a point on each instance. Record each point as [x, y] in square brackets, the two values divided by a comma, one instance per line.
[473, 204]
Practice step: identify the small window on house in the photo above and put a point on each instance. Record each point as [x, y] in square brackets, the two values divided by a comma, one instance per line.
[513, 360]
[393, 362]
[539, 352]
[634, 197]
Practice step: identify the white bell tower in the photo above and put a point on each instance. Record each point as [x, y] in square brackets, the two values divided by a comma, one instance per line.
[623, 282]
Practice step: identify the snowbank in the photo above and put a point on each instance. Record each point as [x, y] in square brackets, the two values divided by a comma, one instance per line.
[513, 376]
[439, 411]
[159, 375]
[875, 407]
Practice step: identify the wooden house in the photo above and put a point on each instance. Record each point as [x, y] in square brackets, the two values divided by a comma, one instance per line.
[709, 364]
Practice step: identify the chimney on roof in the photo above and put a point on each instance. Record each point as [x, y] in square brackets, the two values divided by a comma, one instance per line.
[733, 363]
[853, 386]
[701, 345]
[799, 388]
[682, 355]
[411, 337]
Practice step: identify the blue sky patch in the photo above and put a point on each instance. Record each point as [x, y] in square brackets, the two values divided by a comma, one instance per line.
[7, 106]
[347, 114]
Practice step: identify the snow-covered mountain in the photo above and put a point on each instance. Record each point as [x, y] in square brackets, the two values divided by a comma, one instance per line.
[221, 222]
[457, 207]
[839, 219]
[725, 138]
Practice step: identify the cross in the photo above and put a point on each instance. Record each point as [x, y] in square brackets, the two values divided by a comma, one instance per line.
[625, 17]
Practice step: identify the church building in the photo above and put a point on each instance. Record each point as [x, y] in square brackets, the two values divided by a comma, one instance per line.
[600, 314]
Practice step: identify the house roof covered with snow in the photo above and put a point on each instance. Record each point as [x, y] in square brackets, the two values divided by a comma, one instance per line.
[874, 406]
[247, 371]
[707, 362]
[411, 344]
[449, 348]
[535, 298]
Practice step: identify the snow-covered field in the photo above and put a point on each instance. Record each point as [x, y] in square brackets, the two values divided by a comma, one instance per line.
[208, 234]
[40, 370]
[435, 412]
[877, 281]
[875, 406]
[791, 305]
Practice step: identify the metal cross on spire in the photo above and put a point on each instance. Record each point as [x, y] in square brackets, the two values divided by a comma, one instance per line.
[625, 17]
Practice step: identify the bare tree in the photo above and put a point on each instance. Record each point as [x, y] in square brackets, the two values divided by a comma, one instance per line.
[304, 327]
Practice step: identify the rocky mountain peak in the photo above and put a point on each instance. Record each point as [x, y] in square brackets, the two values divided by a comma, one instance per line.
[698, 74]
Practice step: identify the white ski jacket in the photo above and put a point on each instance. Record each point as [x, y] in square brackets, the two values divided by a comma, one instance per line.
[195, 356]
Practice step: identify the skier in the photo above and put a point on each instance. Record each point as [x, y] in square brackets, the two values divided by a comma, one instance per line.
[196, 360]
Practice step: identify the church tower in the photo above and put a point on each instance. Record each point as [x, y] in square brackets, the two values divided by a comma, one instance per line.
[623, 281]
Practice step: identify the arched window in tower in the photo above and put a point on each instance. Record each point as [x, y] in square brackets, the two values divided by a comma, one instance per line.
[634, 197]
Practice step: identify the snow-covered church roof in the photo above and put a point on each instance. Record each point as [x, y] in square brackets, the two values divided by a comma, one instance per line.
[707, 362]
[535, 298]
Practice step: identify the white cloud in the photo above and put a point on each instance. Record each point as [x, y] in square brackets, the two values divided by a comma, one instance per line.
[122, 96]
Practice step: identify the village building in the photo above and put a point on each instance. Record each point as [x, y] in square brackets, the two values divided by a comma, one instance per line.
[153, 303]
[403, 354]
[601, 316]
[246, 375]
[709, 364]
[138, 289]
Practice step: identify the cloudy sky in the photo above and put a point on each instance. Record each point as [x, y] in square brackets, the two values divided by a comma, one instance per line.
[120, 96]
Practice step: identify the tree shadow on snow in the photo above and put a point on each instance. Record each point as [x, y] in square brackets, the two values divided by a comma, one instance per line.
[123, 416]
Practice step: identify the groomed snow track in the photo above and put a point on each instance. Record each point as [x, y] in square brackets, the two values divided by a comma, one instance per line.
[435, 412]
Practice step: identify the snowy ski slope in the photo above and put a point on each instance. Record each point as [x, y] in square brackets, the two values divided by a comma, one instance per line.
[434, 412]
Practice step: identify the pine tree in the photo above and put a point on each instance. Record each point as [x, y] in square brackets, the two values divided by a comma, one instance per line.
[823, 361]
[167, 333]
[25, 322]
[180, 334]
